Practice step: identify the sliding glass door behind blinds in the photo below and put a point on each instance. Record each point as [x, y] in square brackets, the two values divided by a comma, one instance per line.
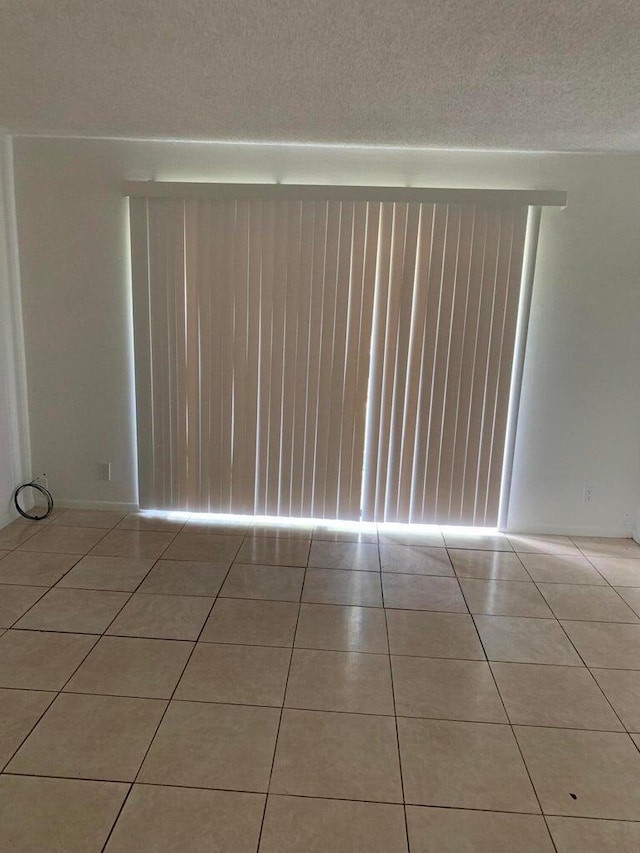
[325, 359]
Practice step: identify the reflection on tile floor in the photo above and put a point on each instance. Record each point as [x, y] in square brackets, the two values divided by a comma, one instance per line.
[185, 684]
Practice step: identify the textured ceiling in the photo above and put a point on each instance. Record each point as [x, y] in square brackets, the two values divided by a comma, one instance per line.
[506, 74]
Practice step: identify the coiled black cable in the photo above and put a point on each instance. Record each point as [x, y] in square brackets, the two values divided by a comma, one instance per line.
[34, 485]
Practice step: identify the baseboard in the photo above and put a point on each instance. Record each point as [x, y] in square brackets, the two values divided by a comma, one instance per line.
[558, 530]
[540, 529]
[7, 518]
[116, 506]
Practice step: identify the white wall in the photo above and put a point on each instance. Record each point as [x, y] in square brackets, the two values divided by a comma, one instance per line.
[14, 430]
[580, 413]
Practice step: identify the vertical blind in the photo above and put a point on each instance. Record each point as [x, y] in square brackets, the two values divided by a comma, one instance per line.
[253, 334]
[443, 338]
[324, 358]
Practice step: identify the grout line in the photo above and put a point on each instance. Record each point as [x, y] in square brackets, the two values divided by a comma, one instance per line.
[55, 695]
[333, 799]
[513, 735]
[300, 796]
[284, 699]
[24, 613]
[395, 719]
[395, 607]
[314, 648]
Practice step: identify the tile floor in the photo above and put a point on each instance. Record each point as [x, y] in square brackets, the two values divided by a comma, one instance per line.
[184, 685]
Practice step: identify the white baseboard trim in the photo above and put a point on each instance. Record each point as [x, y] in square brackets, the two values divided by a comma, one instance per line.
[558, 530]
[532, 530]
[7, 518]
[116, 506]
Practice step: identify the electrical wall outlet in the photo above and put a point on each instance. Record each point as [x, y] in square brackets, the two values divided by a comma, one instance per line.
[104, 470]
[587, 494]
[42, 479]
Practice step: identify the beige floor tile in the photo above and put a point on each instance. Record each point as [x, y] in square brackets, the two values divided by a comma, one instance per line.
[631, 596]
[16, 600]
[350, 556]
[276, 583]
[208, 547]
[133, 543]
[272, 551]
[3, 554]
[610, 645]
[459, 831]
[488, 565]
[589, 603]
[529, 544]
[422, 592]
[83, 611]
[438, 635]
[586, 835]
[58, 539]
[345, 756]
[34, 569]
[110, 573]
[326, 534]
[410, 559]
[342, 628]
[90, 737]
[21, 710]
[504, 598]
[40, 660]
[16, 534]
[65, 815]
[477, 542]
[165, 820]
[446, 689]
[622, 689]
[618, 571]
[340, 681]
[251, 622]
[600, 769]
[556, 568]
[466, 765]
[425, 539]
[244, 675]
[104, 519]
[335, 586]
[557, 696]
[519, 639]
[127, 666]
[602, 546]
[213, 746]
[150, 521]
[180, 577]
[167, 617]
[295, 824]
